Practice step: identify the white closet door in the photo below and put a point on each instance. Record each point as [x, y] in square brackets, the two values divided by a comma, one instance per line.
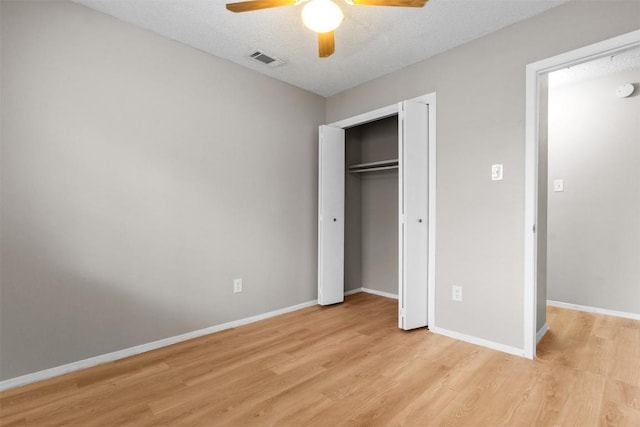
[413, 227]
[331, 216]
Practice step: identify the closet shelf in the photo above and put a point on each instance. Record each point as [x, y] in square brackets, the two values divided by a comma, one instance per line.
[374, 166]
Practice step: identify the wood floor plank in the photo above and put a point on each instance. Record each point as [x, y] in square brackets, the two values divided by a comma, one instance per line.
[613, 414]
[622, 393]
[350, 365]
[556, 386]
[584, 402]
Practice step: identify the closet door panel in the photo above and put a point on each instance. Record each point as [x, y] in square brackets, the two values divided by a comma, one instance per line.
[331, 215]
[414, 187]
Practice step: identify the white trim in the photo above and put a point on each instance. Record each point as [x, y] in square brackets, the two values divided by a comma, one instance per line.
[541, 333]
[401, 218]
[530, 213]
[131, 351]
[371, 291]
[370, 116]
[320, 250]
[533, 72]
[478, 341]
[380, 293]
[596, 310]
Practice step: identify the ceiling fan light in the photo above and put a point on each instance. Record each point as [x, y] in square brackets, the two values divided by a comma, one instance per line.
[321, 16]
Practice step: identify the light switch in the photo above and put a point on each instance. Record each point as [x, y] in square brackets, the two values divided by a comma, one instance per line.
[558, 185]
[496, 172]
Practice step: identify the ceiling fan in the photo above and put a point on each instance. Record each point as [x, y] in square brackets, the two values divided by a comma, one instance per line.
[320, 16]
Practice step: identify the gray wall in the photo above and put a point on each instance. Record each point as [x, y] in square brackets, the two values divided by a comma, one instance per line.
[139, 178]
[594, 225]
[371, 201]
[380, 208]
[480, 90]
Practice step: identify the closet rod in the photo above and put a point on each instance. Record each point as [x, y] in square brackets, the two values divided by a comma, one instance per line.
[380, 168]
[374, 166]
[390, 162]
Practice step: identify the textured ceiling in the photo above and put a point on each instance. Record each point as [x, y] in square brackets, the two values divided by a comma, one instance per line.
[371, 42]
[623, 61]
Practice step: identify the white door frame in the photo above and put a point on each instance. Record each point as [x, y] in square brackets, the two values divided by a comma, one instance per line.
[390, 110]
[533, 73]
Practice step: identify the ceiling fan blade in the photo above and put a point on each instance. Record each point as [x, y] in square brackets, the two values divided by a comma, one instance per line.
[396, 3]
[248, 6]
[326, 44]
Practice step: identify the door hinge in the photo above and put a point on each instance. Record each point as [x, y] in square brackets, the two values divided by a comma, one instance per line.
[534, 228]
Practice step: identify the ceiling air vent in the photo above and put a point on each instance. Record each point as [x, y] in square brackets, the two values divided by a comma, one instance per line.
[266, 59]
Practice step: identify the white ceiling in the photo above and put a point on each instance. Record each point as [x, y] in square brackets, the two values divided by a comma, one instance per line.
[371, 42]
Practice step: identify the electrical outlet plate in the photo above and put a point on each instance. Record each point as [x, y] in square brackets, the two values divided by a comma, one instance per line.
[237, 286]
[558, 185]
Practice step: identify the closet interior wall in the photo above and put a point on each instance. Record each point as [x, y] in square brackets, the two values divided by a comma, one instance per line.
[371, 208]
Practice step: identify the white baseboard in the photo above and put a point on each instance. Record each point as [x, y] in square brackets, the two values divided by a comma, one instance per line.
[478, 341]
[380, 293]
[541, 332]
[371, 291]
[595, 310]
[456, 335]
[120, 354]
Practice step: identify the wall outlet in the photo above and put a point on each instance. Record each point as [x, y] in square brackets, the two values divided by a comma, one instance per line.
[456, 293]
[237, 286]
[558, 185]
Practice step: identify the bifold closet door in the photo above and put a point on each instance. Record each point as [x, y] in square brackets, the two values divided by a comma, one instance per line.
[331, 172]
[413, 216]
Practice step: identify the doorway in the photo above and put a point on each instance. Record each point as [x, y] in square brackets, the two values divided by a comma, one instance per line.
[535, 176]
[593, 193]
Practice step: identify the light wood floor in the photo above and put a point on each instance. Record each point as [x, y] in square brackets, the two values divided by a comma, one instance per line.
[350, 365]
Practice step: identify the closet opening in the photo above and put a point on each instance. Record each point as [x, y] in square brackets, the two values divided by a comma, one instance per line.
[371, 207]
[376, 208]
